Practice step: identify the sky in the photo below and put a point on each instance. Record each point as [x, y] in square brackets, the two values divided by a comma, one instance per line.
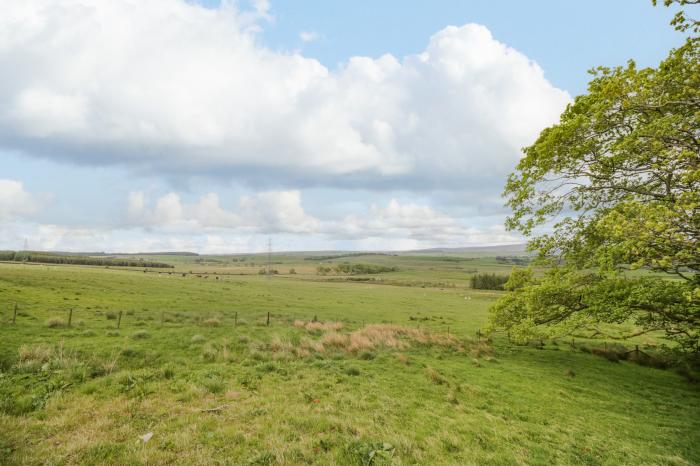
[207, 126]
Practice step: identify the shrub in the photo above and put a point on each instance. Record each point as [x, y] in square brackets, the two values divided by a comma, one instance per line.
[197, 338]
[111, 315]
[488, 281]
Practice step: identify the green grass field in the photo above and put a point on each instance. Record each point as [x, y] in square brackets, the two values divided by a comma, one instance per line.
[392, 374]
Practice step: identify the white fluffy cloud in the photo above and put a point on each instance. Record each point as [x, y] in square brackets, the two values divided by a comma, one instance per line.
[170, 87]
[415, 225]
[15, 201]
[277, 212]
[205, 226]
[266, 212]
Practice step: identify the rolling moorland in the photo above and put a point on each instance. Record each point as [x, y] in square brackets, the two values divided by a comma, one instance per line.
[331, 359]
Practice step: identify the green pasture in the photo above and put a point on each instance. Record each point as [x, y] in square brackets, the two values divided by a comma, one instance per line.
[195, 363]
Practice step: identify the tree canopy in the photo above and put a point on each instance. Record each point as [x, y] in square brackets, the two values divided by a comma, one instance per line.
[610, 198]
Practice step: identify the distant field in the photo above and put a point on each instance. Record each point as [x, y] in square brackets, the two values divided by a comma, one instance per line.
[393, 373]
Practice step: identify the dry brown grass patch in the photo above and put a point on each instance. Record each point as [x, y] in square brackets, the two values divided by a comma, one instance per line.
[278, 344]
[335, 339]
[371, 337]
[38, 353]
[480, 349]
[311, 345]
[318, 326]
[436, 377]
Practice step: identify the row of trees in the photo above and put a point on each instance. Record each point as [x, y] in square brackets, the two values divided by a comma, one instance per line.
[48, 258]
[515, 260]
[616, 183]
[347, 268]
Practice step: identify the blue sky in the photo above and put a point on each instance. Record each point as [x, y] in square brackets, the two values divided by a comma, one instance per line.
[326, 125]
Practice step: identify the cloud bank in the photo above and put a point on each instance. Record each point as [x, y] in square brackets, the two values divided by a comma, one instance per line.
[15, 201]
[281, 212]
[170, 88]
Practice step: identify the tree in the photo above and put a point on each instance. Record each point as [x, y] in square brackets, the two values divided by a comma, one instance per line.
[610, 198]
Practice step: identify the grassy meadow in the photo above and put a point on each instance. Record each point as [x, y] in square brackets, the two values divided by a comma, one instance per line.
[226, 366]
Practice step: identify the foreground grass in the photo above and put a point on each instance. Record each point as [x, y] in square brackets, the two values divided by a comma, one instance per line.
[195, 364]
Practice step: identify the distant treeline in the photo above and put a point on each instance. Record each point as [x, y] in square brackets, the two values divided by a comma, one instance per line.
[488, 281]
[49, 258]
[350, 254]
[517, 260]
[164, 253]
[353, 269]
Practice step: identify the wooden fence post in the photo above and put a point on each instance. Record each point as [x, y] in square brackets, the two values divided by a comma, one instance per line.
[268, 318]
[70, 316]
[14, 315]
[478, 335]
[119, 319]
[235, 319]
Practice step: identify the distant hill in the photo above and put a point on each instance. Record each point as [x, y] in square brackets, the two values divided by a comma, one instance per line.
[506, 248]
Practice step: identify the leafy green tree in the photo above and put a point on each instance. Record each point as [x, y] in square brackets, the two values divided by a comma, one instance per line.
[610, 198]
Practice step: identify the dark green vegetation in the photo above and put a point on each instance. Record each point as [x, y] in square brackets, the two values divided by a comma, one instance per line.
[75, 259]
[388, 371]
[346, 268]
[488, 281]
[620, 176]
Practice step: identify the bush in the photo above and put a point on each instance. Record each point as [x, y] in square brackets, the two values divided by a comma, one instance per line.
[111, 315]
[140, 335]
[197, 338]
[488, 281]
